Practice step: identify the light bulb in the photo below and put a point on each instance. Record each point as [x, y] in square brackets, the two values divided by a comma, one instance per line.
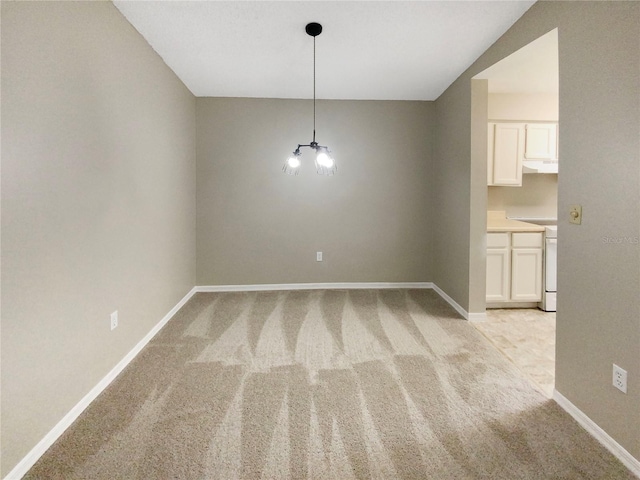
[293, 161]
[292, 164]
[324, 160]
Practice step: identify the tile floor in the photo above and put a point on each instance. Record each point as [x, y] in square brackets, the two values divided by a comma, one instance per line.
[528, 338]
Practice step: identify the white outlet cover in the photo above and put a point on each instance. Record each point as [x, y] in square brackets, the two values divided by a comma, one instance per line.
[318, 256]
[620, 378]
[114, 320]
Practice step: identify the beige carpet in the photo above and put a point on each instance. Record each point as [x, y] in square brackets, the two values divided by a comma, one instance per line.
[327, 384]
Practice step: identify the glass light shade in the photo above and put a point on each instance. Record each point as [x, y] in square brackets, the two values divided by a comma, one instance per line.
[325, 164]
[292, 165]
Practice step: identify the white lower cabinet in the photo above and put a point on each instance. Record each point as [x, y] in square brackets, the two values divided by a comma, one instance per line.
[514, 267]
[526, 274]
[498, 267]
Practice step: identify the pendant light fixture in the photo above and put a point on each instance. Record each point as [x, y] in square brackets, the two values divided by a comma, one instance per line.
[325, 164]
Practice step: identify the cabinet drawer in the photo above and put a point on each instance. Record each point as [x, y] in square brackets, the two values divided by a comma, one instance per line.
[527, 240]
[497, 240]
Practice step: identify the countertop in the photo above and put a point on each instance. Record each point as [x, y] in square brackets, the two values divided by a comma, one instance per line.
[497, 221]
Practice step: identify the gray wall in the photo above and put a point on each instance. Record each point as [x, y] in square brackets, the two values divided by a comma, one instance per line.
[257, 225]
[98, 205]
[598, 318]
[452, 193]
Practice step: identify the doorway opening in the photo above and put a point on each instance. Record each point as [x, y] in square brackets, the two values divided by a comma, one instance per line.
[518, 98]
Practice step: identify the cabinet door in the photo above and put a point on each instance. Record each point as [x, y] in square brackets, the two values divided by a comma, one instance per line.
[497, 274]
[526, 274]
[508, 149]
[541, 141]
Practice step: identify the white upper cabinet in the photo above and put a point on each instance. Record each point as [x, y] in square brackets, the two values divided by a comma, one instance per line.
[506, 151]
[541, 141]
[511, 144]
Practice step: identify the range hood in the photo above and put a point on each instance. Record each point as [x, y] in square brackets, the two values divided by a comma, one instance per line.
[540, 166]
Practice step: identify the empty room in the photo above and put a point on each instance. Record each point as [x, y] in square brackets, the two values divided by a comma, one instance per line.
[261, 239]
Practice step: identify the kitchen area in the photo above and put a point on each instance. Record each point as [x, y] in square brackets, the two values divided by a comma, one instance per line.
[522, 195]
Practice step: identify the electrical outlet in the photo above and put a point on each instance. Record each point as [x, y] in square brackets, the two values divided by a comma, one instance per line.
[318, 256]
[114, 320]
[620, 378]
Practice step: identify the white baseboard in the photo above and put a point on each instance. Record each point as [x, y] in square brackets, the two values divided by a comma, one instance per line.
[599, 434]
[452, 302]
[36, 452]
[268, 287]
[474, 317]
[43, 445]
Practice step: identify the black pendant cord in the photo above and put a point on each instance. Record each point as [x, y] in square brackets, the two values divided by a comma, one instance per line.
[314, 89]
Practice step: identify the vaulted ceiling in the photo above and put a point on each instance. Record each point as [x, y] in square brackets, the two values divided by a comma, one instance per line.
[375, 50]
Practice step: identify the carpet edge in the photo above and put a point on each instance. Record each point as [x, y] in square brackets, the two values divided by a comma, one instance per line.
[265, 287]
[29, 460]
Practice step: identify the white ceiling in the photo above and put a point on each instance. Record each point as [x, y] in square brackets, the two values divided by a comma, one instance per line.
[375, 50]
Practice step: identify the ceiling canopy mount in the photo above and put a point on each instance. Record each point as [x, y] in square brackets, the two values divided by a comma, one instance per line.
[313, 29]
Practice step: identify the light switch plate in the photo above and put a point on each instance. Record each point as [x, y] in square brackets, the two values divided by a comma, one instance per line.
[575, 214]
